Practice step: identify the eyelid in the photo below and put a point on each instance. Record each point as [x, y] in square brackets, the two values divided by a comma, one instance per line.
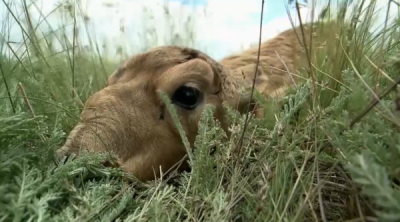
[195, 73]
[191, 84]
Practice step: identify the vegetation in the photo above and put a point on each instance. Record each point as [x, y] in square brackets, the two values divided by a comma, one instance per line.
[316, 156]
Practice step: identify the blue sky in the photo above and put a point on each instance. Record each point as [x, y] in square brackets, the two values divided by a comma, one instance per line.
[277, 6]
[221, 26]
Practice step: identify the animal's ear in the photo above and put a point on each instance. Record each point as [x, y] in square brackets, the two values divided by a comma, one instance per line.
[247, 73]
[219, 73]
[240, 81]
[117, 74]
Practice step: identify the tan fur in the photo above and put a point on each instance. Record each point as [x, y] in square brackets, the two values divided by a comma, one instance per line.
[128, 118]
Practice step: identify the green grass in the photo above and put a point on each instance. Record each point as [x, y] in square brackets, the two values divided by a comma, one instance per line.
[302, 162]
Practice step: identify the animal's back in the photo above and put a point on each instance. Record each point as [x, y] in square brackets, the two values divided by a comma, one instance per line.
[277, 56]
[280, 60]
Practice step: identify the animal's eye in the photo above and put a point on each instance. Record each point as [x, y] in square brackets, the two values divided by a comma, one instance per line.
[187, 97]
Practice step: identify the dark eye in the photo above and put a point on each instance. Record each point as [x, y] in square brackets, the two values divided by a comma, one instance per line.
[186, 97]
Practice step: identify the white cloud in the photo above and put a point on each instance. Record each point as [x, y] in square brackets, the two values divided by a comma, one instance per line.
[243, 35]
[223, 27]
[234, 11]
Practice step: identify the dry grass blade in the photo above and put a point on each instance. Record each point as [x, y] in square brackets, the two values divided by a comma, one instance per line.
[330, 77]
[239, 147]
[28, 104]
[7, 87]
[375, 102]
[380, 70]
[376, 97]
[362, 114]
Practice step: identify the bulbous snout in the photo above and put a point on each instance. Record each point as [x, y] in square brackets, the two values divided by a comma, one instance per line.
[125, 120]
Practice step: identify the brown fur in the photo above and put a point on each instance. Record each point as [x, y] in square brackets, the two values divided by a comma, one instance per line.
[128, 115]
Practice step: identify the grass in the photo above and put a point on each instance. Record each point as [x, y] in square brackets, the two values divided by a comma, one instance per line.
[312, 158]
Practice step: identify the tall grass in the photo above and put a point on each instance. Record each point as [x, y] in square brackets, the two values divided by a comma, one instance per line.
[312, 158]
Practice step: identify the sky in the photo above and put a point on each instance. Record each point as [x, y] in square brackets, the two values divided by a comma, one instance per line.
[221, 27]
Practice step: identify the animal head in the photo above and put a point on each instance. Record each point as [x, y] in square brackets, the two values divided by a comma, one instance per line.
[129, 118]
